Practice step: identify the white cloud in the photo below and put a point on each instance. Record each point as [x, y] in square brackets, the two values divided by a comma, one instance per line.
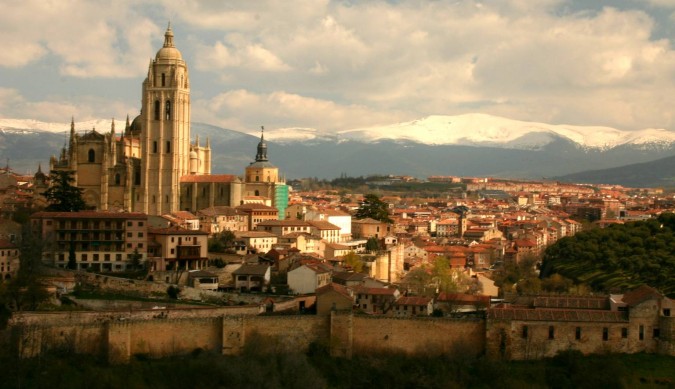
[336, 64]
[243, 110]
[91, 39]
[15, 105]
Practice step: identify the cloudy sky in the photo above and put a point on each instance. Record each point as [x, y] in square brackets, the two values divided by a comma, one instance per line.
[335, 65]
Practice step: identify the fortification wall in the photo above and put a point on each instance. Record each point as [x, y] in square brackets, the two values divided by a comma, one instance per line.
[90, 317]
[415, 335]
[33, 340]
[287, 333]
[535, 340]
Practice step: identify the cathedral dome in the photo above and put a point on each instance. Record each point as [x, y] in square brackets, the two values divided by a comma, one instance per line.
[135, 127]
[168, 51]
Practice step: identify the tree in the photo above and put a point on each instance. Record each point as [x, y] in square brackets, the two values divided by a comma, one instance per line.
[374, 208]
[135, 260]
[372, 244]
[354, 261]
[221, 242]
[62, 195]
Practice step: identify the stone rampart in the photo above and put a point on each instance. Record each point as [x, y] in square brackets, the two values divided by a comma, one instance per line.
[428, 336]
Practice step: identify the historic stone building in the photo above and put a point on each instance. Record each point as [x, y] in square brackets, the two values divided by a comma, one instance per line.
[152, 166]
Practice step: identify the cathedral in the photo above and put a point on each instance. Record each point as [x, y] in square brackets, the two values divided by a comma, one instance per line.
[153, 166]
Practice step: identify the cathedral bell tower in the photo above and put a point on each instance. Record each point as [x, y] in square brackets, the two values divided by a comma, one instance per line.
[165, 134]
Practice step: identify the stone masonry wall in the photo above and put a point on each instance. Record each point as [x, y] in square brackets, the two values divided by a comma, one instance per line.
[417, 335]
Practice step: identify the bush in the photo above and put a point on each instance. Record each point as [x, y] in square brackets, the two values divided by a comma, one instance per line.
[173, 292]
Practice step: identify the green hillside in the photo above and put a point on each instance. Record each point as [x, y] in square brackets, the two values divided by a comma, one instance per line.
[619, 257]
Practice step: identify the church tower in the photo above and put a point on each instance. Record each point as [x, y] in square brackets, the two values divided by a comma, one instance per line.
[262, 181]
[165, 139]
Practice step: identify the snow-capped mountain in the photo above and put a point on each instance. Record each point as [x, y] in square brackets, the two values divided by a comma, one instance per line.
[465, 145]
[483, 130]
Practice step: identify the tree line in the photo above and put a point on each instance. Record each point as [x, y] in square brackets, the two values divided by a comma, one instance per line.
[619, 257]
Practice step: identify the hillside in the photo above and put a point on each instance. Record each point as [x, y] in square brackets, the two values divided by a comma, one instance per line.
[619, 257]
[658, 173]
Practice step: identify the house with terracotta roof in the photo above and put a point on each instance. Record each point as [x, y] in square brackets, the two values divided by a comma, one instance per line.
[375, 300]
[407, 306]
[102, 241]
[174, 249]
[333, 297]
[308, 278]
[258, 213]
[257, 241]
[252, 277]
[214, 220]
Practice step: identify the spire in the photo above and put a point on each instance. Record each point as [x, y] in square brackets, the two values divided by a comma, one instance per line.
[126, 127]
[112, 127]
[72, 128]
[168, 37]
[262, 147]
[197, 140]
[208, 142]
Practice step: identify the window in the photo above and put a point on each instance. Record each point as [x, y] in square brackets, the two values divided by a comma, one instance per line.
[96, 257]
[84, 257]
[173, 251]
[525, 331]
[577, 333]
[140, 245]
[156, 109]
[624, 332]
[168, 110]
[666, 311]
[656, 333]
[551, 332]
[118, 257]
[641, 333]
[140, 224]
[605, 333]
[168, 146]
[154, 147]
[128, 245]
[137, 180]
[91, 155]
[140, 234]
[106, 257]
[117, 179]
[129, 224]
[129, 234]
[163, 79]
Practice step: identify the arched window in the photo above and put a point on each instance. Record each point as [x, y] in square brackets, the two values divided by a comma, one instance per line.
[257, 193]
[257, 178]
[92, 155]
[168, 110]
[163, 80]
[117, 179]
[137, 178]
[168, 146]
[156, 109]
